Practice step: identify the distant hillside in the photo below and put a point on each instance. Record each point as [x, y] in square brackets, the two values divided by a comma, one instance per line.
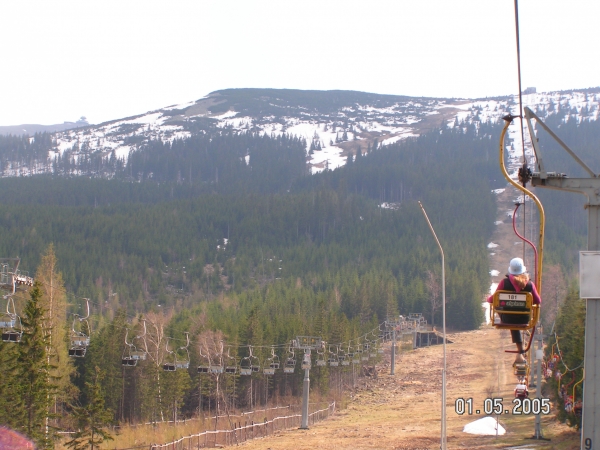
[31, 129]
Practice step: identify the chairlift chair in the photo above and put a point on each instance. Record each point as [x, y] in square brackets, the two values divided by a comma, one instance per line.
[271, 364]
[231, 367]
[521, 391]
[175, 362]
[290, 362]
[184, 362]
[11, 336]
[169, 367]
[80, 341]
[254, 362]
[321, 357]
[365, 352]
[4, 275]
[354, 355]
[513, 310]
[23, 278]
[10, 322]
[344, 359]
[131, 354]
[203, 368]
[217, 368]
[290, 365]
[521, 369]
[334, 359]
[245, 366]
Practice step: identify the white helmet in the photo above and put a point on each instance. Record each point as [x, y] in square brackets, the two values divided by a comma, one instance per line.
[516, 266]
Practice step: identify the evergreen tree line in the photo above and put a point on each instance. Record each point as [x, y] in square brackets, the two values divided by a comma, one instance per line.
[222, 161]
[174, 252]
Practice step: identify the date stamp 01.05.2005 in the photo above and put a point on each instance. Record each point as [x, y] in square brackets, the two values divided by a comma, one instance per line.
[495, 406]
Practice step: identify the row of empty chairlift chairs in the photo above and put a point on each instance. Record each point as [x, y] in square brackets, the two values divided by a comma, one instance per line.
[226, 363]
[11, 279]
[250, 364]
[12, 331]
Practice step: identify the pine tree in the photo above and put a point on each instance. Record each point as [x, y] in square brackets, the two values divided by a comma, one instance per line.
[35, 386]
[91, 418]
[53, 302]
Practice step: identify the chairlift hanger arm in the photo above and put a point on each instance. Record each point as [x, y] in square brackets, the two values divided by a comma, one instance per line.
[87, 302]
[535, 143]
[538, 276]
[586, 186]
[530, 114]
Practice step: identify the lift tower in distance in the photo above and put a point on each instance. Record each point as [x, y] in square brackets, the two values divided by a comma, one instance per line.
[307, 343]
[590, 187]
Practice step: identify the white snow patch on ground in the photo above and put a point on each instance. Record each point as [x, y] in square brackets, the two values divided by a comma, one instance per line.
[498, 222]
[329, 157]
[147, 119]
[403, 134]
[386, 205]
[492, 245]
[486, 312]
[494, 273]
[487, 426]
[391, 140]
[498, 191]
[225, 115]
[180, 106]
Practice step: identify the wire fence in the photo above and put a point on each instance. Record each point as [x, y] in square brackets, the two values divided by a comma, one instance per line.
[244, 428]
[218, 418]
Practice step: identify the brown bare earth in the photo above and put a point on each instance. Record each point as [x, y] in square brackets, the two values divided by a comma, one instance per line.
[403, 411]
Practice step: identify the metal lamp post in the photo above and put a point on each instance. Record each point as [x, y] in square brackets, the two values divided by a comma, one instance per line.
[443, 432]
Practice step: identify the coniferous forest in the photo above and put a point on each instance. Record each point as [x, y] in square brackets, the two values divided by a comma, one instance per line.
[226, 238]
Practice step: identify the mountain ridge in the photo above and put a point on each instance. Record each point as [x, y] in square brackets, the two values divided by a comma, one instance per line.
[335, 124]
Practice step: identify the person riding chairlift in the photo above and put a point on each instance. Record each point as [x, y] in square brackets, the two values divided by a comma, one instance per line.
[517, 280]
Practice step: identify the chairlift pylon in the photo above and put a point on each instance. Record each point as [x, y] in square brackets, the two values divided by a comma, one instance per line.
[306, 362]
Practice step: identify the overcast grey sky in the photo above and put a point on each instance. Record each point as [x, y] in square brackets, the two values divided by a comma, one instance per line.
[111, 59]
